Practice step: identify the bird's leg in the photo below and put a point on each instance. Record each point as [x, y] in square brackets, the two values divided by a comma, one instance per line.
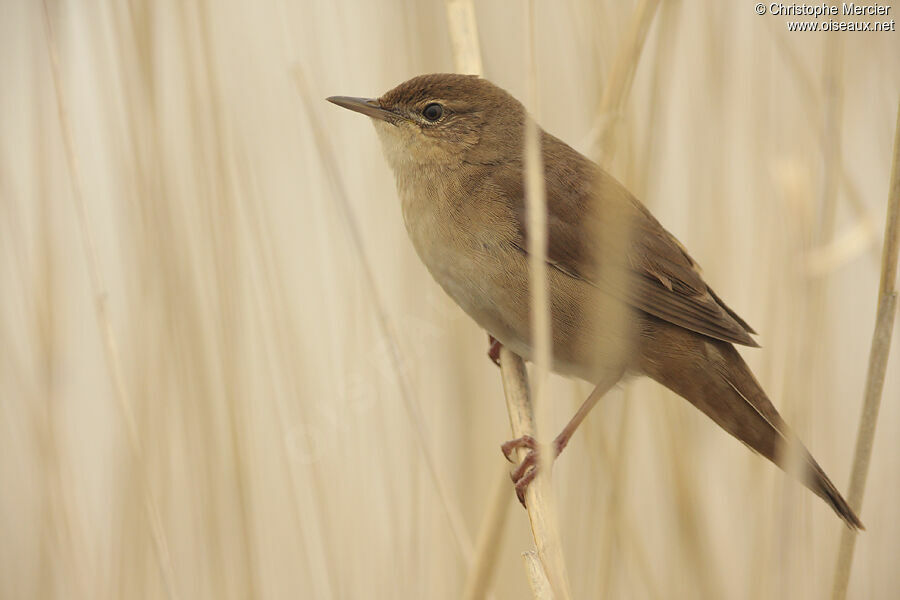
[526, 470]
[494, 349]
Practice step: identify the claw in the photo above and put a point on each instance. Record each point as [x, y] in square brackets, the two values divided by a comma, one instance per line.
[529, 462]
[522, 485]
[525, 472]
[526, 441]
[494, 350]
[527, 469]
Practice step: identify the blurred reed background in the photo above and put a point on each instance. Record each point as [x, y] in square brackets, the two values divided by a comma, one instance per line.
[242, 432]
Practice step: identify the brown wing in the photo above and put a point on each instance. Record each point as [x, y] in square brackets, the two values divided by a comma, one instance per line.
[655, 274]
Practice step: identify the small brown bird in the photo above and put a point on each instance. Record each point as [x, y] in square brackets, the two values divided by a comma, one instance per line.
[625, 296]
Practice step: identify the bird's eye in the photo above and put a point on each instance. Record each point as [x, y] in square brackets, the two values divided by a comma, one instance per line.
[433, 111]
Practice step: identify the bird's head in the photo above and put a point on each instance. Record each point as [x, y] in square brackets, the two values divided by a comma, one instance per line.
[443, 120]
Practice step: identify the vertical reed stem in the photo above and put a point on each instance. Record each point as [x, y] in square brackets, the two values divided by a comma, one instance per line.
[540, 512]
[464, 37]
[540, 587]
[878, 359]
[621, 75]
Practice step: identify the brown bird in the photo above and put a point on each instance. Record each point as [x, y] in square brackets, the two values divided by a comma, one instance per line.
[625, 296]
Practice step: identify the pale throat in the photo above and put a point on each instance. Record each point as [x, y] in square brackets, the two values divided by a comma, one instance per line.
[406, 148]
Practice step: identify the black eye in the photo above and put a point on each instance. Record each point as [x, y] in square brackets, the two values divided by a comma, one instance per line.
[433, 111]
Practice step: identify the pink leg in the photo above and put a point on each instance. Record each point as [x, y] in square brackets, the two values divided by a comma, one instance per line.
[527, 469]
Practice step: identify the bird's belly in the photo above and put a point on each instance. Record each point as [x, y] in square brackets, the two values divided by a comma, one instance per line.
[483, 282]
[488, 279]
[482, 274]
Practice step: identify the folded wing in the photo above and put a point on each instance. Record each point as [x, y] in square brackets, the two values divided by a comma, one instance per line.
[598, 232]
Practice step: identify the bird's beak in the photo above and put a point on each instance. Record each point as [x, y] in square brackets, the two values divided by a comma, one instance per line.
[366, 106]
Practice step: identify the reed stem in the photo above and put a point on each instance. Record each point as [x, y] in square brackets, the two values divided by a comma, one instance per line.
[878, 359]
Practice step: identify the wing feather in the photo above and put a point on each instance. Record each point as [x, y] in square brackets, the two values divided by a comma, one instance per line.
[657, 274]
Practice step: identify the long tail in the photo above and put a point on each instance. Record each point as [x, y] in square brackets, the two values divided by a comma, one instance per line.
[714, 378]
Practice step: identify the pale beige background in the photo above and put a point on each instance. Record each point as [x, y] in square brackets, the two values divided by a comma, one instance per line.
[270, 432]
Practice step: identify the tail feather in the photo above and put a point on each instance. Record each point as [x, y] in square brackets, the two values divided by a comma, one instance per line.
[714, 378]
[812, 475]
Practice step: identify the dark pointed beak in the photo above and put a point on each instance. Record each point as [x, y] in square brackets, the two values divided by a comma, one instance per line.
[366, 106]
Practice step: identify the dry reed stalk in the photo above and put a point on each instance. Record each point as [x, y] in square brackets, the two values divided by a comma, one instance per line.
[414, 411]
[463, 29]
[660, 85]
[542, 512]
[540, 502]
[521, 420]
[99, 289]
[878, 359]
[540, 587]
[621, 75]
[467, 59]
[536, 214]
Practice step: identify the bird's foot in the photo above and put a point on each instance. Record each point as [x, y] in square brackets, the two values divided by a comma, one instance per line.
[527, 469]
[494, 349]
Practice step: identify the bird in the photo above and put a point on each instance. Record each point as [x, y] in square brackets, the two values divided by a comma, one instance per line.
[625, 297]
